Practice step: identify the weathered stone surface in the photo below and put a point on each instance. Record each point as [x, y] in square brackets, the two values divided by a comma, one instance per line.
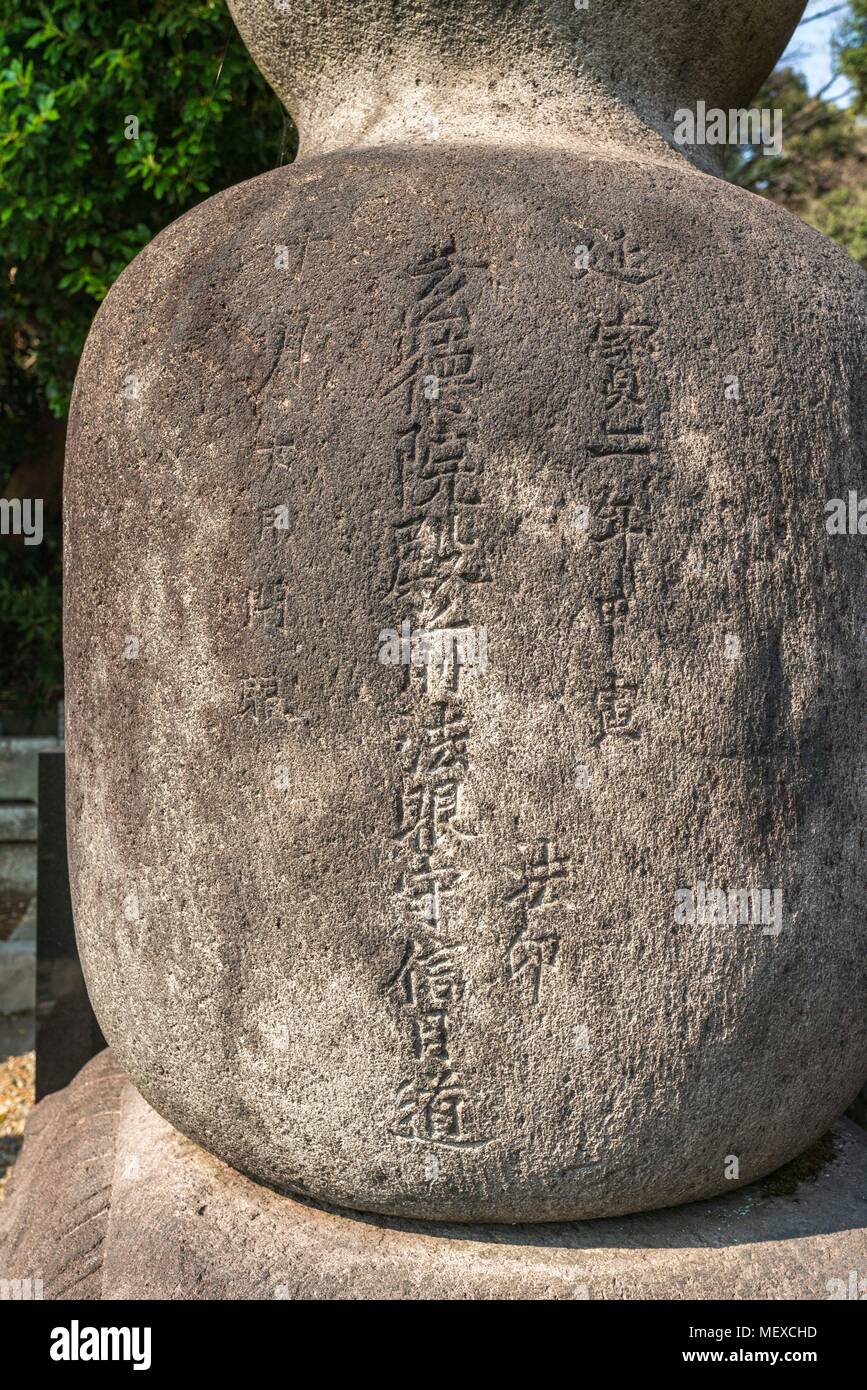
[161, 1219]
[405, 940]
[56, 1227]
[531, 72]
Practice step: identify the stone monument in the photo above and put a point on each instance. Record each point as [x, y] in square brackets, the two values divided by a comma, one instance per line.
[463, 718]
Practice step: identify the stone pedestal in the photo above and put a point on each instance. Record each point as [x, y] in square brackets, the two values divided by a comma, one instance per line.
[108, 1201]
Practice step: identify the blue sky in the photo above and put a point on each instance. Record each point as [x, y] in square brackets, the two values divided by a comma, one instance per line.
[810, 49]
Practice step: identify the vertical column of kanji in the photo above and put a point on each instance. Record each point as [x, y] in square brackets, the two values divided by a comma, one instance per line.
[622, 463]
[438, 567]
[263, 608]
[536, 903]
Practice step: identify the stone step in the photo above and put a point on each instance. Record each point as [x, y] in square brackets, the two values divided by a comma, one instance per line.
[18, 822]
[17, 976]
[19, 763]
[26, 929]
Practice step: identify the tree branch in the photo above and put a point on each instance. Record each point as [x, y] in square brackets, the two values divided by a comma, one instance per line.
[823, 14]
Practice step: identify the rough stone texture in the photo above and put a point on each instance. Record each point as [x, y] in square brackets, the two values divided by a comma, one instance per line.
[55, 1228]
[155, 1217]
[537, 72]
[404, 940]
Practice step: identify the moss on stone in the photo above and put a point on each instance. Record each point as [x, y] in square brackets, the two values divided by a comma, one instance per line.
[805, 1168]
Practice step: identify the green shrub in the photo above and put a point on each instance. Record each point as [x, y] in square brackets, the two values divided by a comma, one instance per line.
[78, 200]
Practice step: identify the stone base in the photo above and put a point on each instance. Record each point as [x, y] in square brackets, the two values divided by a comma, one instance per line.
[108, 1201]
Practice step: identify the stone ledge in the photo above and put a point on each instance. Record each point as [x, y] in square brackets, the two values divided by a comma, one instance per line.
[17, 976]
[18, 822]
[19, 766]
[185, 1226]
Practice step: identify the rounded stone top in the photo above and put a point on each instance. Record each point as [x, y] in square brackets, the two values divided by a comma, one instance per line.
[360, 72]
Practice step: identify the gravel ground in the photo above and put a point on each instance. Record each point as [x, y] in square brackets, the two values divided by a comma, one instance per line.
[16, 1097]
